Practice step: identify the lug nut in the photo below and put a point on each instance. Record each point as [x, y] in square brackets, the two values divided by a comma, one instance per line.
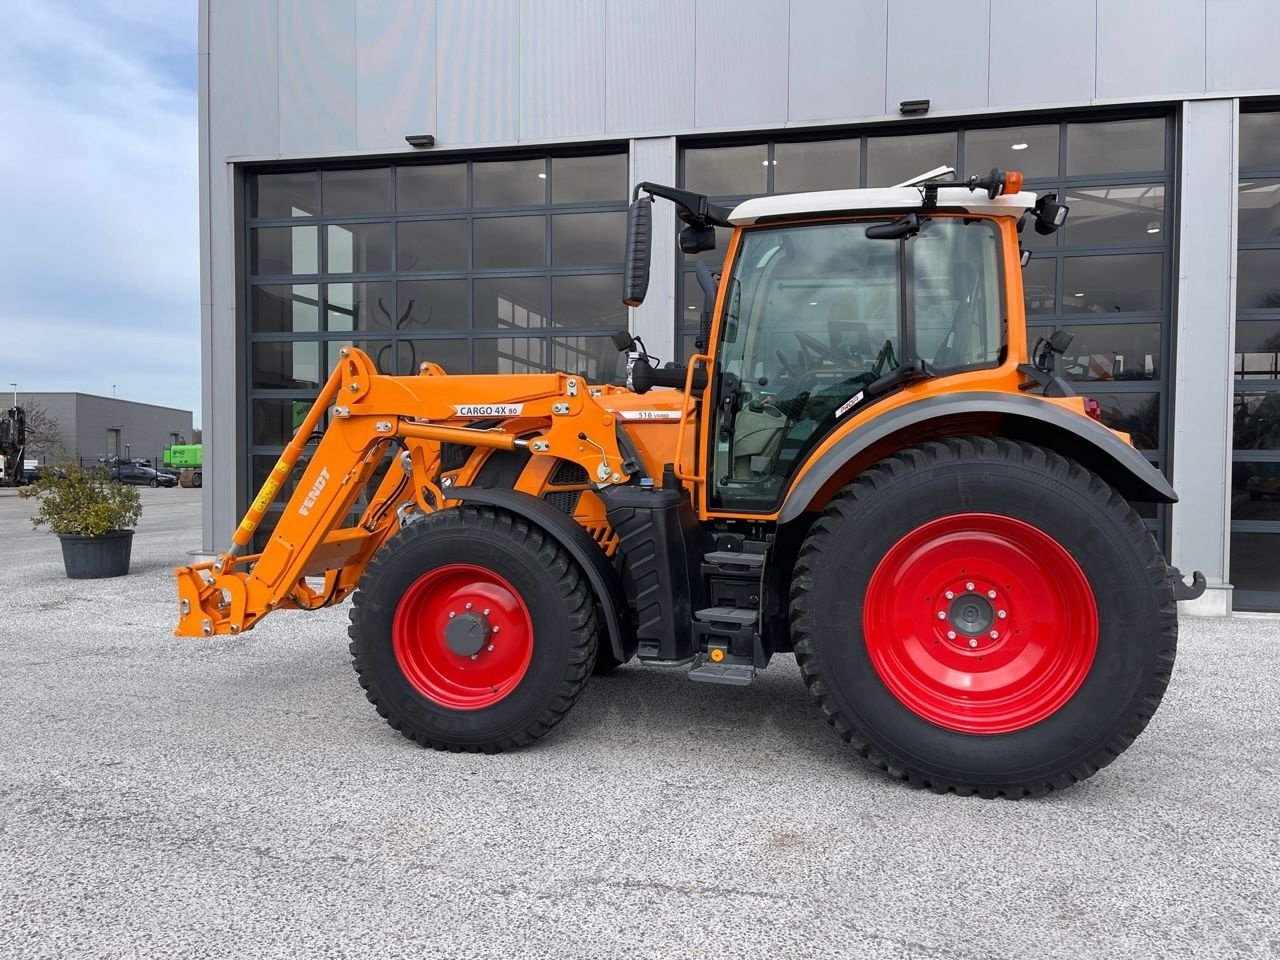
[468, 605]
[452, 614]
[994, 634]
[949, 595]
[951, 634]
[496, 629]
[991, 594]
[942, 615]
[475, 656]
[969, 585]
[973, 642]
[490, 647]
[486, 611]
[1001, 614]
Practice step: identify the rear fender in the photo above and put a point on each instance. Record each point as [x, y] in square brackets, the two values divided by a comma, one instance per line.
[987, 413]
[599, 569]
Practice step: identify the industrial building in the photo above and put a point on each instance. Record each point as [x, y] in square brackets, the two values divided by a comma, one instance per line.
[448, 180]
[95, 428]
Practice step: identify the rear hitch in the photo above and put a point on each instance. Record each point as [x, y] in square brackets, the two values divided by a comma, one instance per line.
[1183, 591]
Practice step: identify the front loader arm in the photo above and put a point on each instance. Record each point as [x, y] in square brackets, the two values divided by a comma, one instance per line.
[370, 413]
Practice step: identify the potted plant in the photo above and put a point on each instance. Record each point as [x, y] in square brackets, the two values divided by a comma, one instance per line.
[92, 516]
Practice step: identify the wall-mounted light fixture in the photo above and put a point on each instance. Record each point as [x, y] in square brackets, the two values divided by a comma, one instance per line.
[420, 140]
[908, 107]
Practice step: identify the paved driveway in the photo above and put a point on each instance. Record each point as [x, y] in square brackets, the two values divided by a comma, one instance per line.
[239, 797]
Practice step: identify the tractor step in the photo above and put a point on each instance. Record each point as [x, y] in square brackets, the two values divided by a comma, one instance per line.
[732, 618]
[732, 561]
[730, 637]
[705, 670]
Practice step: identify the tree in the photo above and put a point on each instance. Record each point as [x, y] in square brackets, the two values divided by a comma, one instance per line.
[44, 432]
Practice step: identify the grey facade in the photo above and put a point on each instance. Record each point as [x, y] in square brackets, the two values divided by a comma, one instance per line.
[95, 427]
[323, 85]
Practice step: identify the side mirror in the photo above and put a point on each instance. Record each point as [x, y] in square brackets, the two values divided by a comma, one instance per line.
[635, 277]
[907, 226]
[1050, 214]
[1060, 340]
[697, 239]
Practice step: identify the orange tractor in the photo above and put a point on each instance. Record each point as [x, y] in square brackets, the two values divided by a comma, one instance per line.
[869, 467]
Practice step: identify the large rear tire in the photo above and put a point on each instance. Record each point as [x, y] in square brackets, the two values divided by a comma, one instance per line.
[984, 616]
[473, 630]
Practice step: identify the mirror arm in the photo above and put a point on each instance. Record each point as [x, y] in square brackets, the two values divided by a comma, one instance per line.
[695, 209]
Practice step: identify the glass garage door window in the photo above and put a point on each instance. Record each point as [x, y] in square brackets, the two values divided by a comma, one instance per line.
[496, 265]
[1106, 277]
[1255, 456]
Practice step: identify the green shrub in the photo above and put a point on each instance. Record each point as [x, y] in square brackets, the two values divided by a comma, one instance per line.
[84, 501]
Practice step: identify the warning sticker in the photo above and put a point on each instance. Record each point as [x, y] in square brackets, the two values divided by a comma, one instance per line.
[488, 409]
[265, 495]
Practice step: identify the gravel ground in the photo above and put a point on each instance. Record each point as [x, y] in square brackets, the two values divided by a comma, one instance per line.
[239, 797]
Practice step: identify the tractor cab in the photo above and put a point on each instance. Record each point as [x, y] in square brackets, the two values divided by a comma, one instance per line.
[837, 299]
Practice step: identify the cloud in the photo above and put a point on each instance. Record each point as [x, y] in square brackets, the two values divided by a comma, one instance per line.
[99, 247]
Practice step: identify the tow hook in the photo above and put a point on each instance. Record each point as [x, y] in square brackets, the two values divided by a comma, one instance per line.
[1183, 591]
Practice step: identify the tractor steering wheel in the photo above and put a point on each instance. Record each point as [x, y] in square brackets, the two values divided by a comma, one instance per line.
[817, 346]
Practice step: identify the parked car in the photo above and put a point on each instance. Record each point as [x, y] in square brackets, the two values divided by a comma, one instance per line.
[168, 472]
[140, 476]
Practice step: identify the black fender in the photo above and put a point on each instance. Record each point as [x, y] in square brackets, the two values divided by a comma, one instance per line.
[997, 414]
[604, 579]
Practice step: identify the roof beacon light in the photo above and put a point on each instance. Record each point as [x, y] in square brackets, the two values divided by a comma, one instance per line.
[1012, 181]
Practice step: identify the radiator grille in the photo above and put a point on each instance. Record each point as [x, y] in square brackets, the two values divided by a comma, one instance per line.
[568, 472]
[564, 500]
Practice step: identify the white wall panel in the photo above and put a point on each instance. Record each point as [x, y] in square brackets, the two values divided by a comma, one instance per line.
[1204, 324]
[317, 75]
[240, 108]
[836, 62]
[1240, 37]
[740, 74]
[395, 72]
[244, 81]
[1042, 52]
[1150, 47]
[938, 51]
[648, 65]
[654, 159]
[562, 79]
[477, 71]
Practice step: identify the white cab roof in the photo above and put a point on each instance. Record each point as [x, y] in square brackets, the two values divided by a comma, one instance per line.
[886, 199]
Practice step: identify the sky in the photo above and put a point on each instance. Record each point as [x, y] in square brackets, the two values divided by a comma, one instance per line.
[99, 252]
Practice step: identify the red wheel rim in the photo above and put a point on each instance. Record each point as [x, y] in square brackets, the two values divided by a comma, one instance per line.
[462, 636]
[980, 623]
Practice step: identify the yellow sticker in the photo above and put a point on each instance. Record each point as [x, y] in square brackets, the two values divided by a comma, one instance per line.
[247, 526]
[264, 497]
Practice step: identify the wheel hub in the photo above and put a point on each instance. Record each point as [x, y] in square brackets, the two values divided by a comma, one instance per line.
[467, 633]
[971, 614]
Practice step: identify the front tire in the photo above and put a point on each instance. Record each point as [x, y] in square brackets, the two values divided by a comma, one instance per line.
[473, 630]
[984, 616]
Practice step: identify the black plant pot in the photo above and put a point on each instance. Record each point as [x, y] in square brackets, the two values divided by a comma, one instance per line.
[88, 558]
